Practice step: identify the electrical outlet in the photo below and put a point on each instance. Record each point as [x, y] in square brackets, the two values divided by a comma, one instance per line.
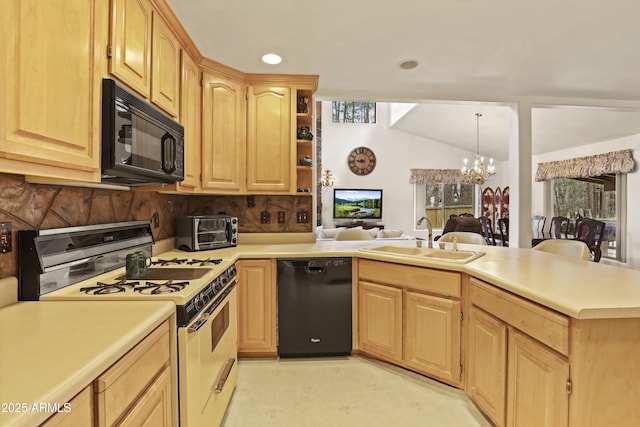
[303, 217]
[5, 237]
[251, 202]
[265, 217]
[281, 217]
[156, 220]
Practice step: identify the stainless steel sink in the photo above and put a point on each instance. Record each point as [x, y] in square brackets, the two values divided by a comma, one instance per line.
[460, 256]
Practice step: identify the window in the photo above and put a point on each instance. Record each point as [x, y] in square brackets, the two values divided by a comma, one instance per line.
[595, 197]
[353, 112]
[439, 201]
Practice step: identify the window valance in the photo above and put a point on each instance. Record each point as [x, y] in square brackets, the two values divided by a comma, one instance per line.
[584, 167]
[436, 176]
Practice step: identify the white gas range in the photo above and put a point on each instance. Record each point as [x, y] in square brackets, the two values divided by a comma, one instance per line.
[86, 264]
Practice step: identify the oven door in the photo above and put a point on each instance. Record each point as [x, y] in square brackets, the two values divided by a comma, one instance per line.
[208, 368]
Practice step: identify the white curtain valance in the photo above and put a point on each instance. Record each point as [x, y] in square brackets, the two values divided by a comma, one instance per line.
[436, 176]
[589, 166]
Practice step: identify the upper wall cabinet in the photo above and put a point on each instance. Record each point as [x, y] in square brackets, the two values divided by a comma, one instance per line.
[270, 132]
[130, 45]
[52, 63]
[190, 119]
[145, 54]
[223, 134]
[165, 84]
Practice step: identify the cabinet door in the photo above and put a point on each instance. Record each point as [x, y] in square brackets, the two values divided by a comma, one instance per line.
[51, 64]
[256, 308]
[131, 43]
[165, 84]
[487, 363]
[380, 320]
[537, 394]
[154, 406]
[270, 162]
[190, 119]
[432, 336]
[223, 134]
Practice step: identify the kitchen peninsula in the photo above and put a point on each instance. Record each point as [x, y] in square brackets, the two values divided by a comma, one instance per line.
[531, 324]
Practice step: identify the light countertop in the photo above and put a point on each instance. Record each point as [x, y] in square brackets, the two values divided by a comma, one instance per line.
[579, 289]
[50, 351]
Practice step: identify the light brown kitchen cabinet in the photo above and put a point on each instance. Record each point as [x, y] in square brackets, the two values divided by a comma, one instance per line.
[165, 54]
[380, 320]
[537, 385]
[43, 68]
[270, 130]
[130, 46]
[411, 316]
[79, 412]
[136, 390]
[190, 108]
[432, 335]
[257, 308]
[487, 364]
[154, 407]
[524, 347]
[223, 134]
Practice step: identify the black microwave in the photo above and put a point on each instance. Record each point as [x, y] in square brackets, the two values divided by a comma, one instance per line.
[140, 144]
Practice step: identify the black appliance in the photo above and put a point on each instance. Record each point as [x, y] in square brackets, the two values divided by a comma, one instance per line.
[140, 144]
[204, 232]
[314, 307]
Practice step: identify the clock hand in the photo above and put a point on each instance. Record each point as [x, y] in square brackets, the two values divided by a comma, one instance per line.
[361, 161]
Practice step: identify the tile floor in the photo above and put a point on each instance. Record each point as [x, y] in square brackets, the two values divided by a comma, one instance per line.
[343, 391]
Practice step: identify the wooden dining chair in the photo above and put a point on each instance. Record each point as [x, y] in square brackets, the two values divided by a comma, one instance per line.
[487, 230]
[503, 228]
[591, 231]
[559, 226]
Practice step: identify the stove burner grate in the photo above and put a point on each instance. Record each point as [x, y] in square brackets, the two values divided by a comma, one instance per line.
[151, 288]
[102, 288]
[204, 262]
[163, 262]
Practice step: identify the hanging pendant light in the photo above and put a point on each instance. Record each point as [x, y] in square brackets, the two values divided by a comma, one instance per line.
[478, 173]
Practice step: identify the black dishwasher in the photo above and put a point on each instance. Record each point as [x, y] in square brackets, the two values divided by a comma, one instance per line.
[314, 307]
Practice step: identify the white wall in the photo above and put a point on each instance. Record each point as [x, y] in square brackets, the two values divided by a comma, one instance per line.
[633, 186]
[396, 153]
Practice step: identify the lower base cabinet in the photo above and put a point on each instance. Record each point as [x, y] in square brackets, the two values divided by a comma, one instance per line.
[432, 335]
[257, 308]
[517, 380]
[80, 412]
[380, 320]
[415, 322]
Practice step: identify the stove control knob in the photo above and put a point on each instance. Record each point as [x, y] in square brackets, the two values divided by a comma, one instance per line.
[205, 297]
[198, 303]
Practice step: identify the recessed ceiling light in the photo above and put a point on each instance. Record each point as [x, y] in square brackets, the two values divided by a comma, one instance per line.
[271, 58]
[408, 65]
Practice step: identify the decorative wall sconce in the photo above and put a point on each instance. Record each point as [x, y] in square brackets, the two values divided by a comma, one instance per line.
[327, 179]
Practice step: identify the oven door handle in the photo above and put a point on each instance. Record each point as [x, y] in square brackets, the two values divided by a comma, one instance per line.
[224, 374]
[198, 323]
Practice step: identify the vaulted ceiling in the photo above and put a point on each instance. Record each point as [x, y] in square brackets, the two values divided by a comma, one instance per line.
[467, 50]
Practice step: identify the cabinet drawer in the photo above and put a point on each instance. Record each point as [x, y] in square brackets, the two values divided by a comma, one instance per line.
[414, 278]
[543, 324]
[80, 414]
[121, 385]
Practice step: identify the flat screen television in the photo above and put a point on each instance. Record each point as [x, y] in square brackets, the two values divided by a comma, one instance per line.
[357, 204]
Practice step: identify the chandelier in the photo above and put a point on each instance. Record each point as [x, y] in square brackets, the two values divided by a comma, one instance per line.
[479, 173]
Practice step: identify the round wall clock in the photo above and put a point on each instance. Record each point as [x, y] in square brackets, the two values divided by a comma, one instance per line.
[361, 161]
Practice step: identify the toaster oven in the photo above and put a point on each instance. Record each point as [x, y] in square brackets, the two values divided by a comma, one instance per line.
[204, 232]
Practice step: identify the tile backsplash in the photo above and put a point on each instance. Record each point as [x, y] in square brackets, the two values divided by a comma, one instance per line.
[39, 206]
